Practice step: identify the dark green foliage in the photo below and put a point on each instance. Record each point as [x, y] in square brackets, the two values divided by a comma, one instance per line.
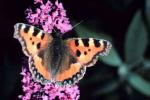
[136, 40]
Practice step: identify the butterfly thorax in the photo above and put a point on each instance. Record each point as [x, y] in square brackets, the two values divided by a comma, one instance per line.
[57, 57]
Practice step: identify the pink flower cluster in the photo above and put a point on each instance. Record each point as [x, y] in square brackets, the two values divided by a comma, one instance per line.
[50, 91]
[49, 16]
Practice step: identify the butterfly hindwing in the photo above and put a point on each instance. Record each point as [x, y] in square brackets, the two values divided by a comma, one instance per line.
[71, 75]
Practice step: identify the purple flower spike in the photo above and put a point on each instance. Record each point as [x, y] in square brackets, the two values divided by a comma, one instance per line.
[48, 16]
[50, 91]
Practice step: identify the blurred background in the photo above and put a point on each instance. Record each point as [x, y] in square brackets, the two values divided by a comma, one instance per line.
[122, 75]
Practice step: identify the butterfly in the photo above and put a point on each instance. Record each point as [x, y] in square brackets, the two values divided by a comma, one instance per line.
[53, 59]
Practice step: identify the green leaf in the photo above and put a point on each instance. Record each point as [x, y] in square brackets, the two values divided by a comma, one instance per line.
[147, 12]
[136, 40]
[123, 71]
[139, 83]
[146, 64]
[112, 58]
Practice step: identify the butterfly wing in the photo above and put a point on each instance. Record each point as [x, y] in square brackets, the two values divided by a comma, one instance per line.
[33, 40]
[85, 51]
[71, 75]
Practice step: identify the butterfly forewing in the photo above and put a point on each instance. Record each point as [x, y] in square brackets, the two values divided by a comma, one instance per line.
[31, 38]
[87, 50]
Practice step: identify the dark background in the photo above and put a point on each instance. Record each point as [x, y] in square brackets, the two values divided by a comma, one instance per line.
[109, 16]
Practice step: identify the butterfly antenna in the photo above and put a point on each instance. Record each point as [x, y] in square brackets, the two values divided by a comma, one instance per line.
[56, 33]
[78, 23]
[54, 30]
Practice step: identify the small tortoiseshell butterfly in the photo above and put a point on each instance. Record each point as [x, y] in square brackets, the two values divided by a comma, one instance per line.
[52, 59]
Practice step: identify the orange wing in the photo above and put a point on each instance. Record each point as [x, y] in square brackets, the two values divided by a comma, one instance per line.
[33, 40]
[87, 50]
[71, 75]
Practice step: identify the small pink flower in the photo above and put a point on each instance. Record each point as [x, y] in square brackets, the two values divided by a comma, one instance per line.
[45, 98]
[35, 91]
[48, 16]
[38, 1]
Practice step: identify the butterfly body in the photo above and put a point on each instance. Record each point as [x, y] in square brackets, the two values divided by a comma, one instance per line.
[55, 57]
[52, 59]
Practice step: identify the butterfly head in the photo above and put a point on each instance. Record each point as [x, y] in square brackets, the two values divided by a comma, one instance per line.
[56, 33]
